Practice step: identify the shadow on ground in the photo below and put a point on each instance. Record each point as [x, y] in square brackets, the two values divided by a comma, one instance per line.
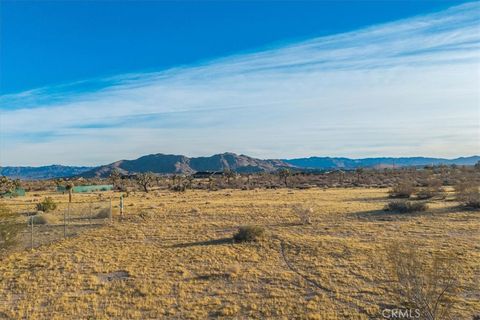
[213, 242]
[383, 215]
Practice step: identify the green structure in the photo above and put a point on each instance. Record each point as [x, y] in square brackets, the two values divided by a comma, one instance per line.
[19, 192]
[82, 189]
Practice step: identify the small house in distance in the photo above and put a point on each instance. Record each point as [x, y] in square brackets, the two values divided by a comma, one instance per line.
[82, 189]
[206, 174]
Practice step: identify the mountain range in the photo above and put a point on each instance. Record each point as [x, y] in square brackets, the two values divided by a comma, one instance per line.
[168, 163]
[44, 172]
[325, 163]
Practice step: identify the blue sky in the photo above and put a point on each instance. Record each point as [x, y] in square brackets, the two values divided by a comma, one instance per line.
[94, 82]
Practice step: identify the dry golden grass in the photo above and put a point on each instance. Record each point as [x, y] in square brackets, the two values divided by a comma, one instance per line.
[172, 257]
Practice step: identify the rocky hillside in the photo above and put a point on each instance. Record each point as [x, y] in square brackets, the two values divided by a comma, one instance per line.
[168, 163]
[45, 172]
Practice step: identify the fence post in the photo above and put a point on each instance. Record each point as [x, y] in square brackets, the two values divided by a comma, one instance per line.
[32, 221]
[121, 207]
[65, 223]
[111, 216]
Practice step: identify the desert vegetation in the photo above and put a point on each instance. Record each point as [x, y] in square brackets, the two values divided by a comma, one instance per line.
[47, 204]
[422, 183]
[9, 227]
[248, 247]
[468, 194]
[406, 206]
[249, 233]
[427, 282]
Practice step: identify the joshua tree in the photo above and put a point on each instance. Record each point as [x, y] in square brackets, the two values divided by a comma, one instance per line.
[8, 185]
[116, 179]
[359, 172]
[145, 180]
[158, 181]
[211, 182]
[249, 176]
[189, 181]
[69, 186]
[174, 178]
[283, 174]
[229, 174]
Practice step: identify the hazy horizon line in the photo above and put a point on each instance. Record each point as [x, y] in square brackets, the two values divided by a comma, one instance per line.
[241, 154]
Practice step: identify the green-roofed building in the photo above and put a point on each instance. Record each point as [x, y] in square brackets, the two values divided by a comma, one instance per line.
[83, 189]
[19, 192]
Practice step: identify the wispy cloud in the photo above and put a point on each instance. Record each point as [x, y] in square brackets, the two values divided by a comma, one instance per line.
[405, 88]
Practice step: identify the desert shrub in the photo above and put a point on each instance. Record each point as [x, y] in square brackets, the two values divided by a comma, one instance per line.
[303, 214]
[179, 188]
[249, 233]
[427, 282]
[403, 189]
[468, 194]
[46, 205]
[103, 213]
[9, 227]
[470, 199]
[432, 188]
[431, 192]
[426, 193]
[406, 206]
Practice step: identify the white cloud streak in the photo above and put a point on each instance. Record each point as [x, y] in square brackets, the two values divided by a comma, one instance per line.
[409, 87]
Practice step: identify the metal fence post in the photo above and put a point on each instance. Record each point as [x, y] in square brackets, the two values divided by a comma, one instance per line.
[32, 221]
[111, 216]
[121, 207]
[65, 223]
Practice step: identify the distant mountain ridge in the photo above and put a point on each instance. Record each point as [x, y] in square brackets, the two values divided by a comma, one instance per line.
[45, 172]
[326, 163]
[169, 163]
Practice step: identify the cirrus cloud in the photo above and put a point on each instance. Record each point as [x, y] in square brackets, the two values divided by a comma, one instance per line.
[404, 88]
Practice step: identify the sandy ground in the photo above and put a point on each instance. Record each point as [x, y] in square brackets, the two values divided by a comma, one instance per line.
[173, 257]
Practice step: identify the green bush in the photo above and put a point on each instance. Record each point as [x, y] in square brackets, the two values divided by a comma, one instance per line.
[46, 205]
[406, 206]
[249, 234]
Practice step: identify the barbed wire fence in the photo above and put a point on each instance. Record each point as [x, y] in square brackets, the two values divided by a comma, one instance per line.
[36, 228]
